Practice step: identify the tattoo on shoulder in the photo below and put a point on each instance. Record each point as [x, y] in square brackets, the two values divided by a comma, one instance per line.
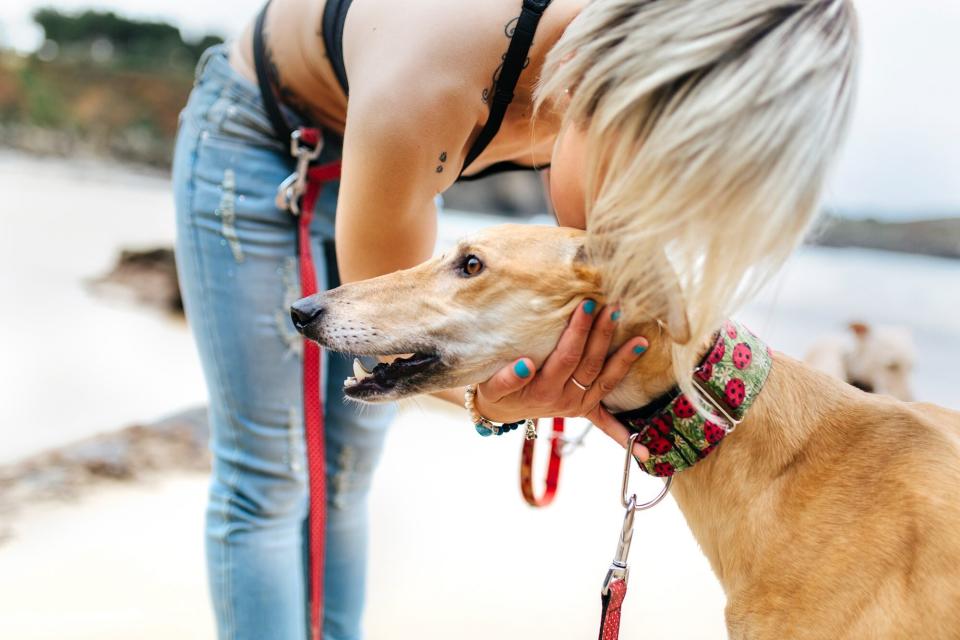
[286, 94]
[508, 30]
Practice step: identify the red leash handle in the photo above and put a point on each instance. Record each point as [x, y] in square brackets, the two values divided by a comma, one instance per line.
[610, 614]
[313, 425]
[553, 468]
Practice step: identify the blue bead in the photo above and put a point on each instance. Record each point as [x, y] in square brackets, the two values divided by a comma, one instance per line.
[482, 430]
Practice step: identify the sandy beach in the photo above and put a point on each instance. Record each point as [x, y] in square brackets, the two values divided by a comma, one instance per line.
[455, 553]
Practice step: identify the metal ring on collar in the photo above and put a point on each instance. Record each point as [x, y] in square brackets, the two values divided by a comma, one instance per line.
[625, 499]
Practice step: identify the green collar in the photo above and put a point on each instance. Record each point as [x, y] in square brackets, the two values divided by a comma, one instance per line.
[729, 378]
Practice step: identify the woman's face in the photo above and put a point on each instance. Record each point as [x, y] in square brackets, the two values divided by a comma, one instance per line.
[568, 177]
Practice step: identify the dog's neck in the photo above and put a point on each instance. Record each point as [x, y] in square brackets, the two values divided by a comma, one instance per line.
[726, 498]
[651, 375]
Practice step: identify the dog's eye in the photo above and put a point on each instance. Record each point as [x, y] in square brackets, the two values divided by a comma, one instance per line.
[471, 266]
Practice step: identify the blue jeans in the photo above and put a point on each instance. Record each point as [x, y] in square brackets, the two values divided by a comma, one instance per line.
[238, 273]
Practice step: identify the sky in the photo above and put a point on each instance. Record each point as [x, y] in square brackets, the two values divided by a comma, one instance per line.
[902, 157]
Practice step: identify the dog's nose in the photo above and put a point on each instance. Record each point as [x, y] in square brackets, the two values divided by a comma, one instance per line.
[305, 311]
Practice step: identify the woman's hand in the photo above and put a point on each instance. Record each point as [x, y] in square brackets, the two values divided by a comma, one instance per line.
[580, 360]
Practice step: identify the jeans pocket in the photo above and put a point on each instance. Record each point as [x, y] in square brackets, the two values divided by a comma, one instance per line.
[239, 121]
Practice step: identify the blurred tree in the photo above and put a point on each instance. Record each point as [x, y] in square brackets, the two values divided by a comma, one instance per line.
[138, 43]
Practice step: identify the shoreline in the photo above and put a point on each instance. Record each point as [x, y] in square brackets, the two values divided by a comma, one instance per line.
[937, 235]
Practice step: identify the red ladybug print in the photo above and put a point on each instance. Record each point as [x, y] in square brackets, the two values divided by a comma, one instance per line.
[705, 371]
[663, 469]
[683, 409]
[659, 445]
[731, 330]
[717, 354]
[742, 356]
[735, 392]
[663, 424]
[713, 432]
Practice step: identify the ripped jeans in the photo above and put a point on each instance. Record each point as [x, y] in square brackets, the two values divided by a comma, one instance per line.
[238, 274]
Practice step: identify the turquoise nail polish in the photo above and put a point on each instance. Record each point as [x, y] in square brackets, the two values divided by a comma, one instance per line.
[589, 306]
[521, 369]
[615, 316]
[639, 349]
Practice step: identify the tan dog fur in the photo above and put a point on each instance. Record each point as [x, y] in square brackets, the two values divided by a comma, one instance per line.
[828, 513]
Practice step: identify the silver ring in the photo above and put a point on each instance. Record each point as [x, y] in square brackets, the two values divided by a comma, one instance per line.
[582, 387]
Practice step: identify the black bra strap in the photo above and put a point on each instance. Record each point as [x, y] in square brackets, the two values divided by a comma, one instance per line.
[266, 81]
[334, 17]
[513, 63]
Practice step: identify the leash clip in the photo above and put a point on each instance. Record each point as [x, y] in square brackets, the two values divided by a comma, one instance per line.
[293, 186]
[618, 567]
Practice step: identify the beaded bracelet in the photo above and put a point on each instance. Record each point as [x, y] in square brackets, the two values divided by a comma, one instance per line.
[486, 427]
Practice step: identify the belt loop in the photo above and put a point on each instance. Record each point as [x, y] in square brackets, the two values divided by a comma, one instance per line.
[202, 62]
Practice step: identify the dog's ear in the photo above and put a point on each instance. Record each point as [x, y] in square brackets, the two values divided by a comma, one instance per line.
[860, 329]
[584, 268]
[659, 296]
[671, 312]
[676, 324]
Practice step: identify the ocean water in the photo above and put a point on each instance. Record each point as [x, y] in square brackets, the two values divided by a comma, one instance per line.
[72, 364]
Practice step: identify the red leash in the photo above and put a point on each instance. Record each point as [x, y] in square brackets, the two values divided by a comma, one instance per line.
[553, 468]
[610, 615]
[307, 183]
[614, 588]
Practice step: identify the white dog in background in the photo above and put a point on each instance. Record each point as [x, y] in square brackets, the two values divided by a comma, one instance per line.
[876, 359]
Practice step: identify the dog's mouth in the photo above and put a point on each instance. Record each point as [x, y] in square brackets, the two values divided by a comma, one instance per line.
[390, 380]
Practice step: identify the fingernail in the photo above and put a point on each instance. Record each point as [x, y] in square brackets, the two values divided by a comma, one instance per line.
[615, 316]
[641, 452]
[639, 349]
[521, 369]
[589, 306]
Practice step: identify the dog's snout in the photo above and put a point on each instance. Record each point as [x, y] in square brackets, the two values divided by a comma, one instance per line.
[304, 312]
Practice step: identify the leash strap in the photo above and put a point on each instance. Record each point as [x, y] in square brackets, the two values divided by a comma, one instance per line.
[298, 194]
[313, 422]
[610, 613]
[553, 468]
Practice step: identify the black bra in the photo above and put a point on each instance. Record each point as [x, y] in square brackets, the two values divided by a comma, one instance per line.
[335, 15]
[514, 61]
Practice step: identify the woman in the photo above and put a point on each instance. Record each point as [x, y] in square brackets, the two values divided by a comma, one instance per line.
[425, 81]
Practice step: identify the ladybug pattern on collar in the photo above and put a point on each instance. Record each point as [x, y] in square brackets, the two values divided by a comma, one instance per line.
[732, 374]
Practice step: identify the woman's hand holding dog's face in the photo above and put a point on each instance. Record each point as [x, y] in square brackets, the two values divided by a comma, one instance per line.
[519, 391]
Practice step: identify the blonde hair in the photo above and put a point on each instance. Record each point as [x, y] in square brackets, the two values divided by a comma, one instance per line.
[710, 127]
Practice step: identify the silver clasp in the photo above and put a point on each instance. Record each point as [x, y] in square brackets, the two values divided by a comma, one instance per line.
[293, 186]
[624, 500]
[731, 421]
[618, 567]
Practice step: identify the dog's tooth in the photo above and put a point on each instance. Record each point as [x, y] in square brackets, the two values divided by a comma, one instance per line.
[350, 382]
[358, 371]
